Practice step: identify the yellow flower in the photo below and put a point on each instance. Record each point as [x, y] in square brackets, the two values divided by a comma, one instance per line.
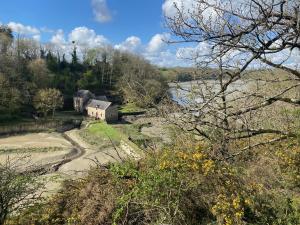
[182, 155]
[197, 156]
[248, 202]
[163, 165]
[228, 221]
[195, 166]
[239, 214]
[214, 209]
[207, 166]
[236, 203]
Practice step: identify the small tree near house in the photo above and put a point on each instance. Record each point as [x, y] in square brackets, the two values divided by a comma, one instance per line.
[48, 100]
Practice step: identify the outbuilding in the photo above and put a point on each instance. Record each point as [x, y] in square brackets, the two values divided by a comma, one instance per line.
[81, 98]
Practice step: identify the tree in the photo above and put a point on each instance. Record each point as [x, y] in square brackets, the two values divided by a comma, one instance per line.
[257, 29]
[18, 189]
[10, 96]
[240, 35]
[141, 83]
[41, 74]
[6, 39]
[47, 100]
[88, 81]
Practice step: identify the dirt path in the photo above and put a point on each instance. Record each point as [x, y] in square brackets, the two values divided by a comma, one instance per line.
[74, 161]
[80, 166]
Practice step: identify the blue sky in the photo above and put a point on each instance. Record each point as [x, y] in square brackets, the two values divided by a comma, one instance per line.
[142, 18]
[128, 25]
[131, 25]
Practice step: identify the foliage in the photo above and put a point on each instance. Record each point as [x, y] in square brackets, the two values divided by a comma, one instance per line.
[27, 66]
[10, 97]
[182, 74]
[47, 100]
[17, 190]
[141, 83]
[184, 184]
[289, 162]
[86, 201]
[131, 130]
[41, 75]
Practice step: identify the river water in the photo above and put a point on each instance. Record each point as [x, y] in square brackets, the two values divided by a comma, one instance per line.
[185, 93]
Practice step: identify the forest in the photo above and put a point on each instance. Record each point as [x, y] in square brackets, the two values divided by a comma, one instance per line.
[27, 67]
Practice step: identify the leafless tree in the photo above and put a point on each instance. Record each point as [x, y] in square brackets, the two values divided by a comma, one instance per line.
[240, 35]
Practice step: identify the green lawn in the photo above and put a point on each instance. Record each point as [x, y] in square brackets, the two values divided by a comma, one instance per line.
[102, 129]
[130, 108]
[131, 130]
[101, 134]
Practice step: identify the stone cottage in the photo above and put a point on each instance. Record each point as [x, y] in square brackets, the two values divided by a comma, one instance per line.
[102, 110]
[95, 106]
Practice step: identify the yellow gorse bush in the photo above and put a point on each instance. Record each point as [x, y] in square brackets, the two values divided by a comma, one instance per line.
[193, 158]
[229, 209]
[289, 161]
[229, 205]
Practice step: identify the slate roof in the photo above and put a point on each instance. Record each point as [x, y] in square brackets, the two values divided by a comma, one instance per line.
[102, 98]
[83, 93]
[98, 104]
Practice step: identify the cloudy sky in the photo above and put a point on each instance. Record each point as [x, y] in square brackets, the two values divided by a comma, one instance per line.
[129, 25]
[132, 25]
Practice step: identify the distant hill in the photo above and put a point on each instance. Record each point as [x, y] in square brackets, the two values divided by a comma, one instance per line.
[182, 74]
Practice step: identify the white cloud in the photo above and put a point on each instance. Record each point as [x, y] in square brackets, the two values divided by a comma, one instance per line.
[58, 38]
[47, 30]
[286, 57]
[155, 51]
[101, 11]
[166, 58]
[88, 38]
[158, 42]
[37, 37]
[200, 52]
[83, 37]
[132, 44]
[170, 10]
[22, 29]
[210, 14]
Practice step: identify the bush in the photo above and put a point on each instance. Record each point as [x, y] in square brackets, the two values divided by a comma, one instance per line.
[183, 184]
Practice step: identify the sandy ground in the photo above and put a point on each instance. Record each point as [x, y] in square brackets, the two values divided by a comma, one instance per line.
[36, 158]
[38, 140]
[44, 140]
[80, 166]
[71, 170]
